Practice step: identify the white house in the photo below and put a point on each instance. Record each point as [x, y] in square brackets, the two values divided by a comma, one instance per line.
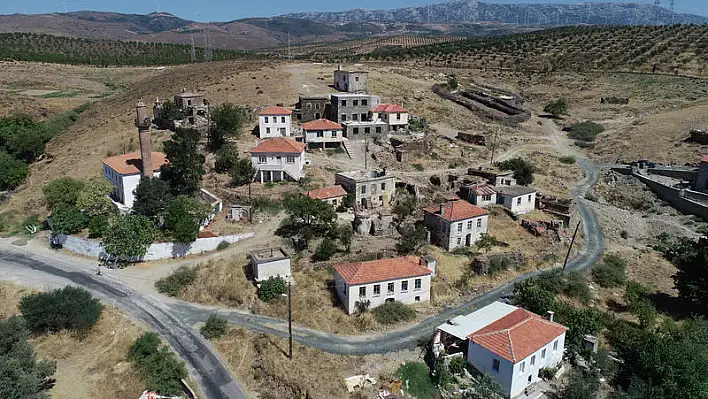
[481, 194]
[323, 133]
[455, 223]
[270, 262]
[124, 172]
[333, 195]
[395, 116]
[518, 199]
[405, 279]
[275, 122]
[278, 159]
[505, 342]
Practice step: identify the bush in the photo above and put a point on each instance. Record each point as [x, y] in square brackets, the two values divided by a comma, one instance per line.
[69, 308]
[272, 288]
[68, 219]
[394, 312]
[13, 172]
[158, 365]
[523, 170]
[98, 226]
[226, 158]
[222, 245]
[215, 327]
[585, 131]
[418, 167]
[611, 272]
[569, 160]
[557, 108]
[64, 191]
[419, 383]
[547, 373]
[22, 375]
[457, 365]
[325, 250]
[175, 282]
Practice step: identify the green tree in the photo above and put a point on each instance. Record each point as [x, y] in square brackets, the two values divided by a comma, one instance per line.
[242, 172]
[22, 137]
[346, 235]
[98, 226]
[458, 365]
[272, 288]
[13, 172]
[68, 219]
[581, 385]
[69, 308]
[151, 197]
[309, 216]
[523, 170]
[486, 242]
[93, 198]
[184, 217]
[186, 167]
[62, 191]
[22, 375]
[226, 158]
[556, 108]
[215, 327]
[412, 237]
[533, 297]
[325, 250]
[691, 278]
[128, 237]
[169, 114]
[227, 121]
[158, 365]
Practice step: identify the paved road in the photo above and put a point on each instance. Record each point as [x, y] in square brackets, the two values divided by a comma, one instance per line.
[202, 360]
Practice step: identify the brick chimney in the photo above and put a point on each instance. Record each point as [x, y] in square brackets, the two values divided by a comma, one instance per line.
[142, 122]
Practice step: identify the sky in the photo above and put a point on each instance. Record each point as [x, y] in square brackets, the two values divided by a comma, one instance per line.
[227, 10]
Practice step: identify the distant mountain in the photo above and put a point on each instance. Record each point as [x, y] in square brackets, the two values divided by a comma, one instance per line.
[523, 14]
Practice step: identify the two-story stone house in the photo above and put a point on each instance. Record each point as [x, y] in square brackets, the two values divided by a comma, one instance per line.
[275, 122]
[278, 159]
[370, 188]
[323, 133]
[405, 279]
[310, 108]
[455, 223]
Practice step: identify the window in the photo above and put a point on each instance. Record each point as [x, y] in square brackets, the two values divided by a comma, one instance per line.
[278, 158]
[334, 134]
[265, 119]
[317, 105]
[555, 345]
[363, 102]
[262, 159]
[267, 130]
[533, 360]
[355, 117]
[373, 189]
[390, 289]
[543, 353]
[290, 160]
[404, 286]
[459, 227]
[518, 201]
[469, 225]
[343, 117]
[479, 222]
[459, 240]
[522, 367]
[398, 117]
[309, 105]
[356, 79]
[377, 290]
[362, 292]
[418, 284]
[529, 198]
[364, 117]
[486, 198]
[383, 186]
[355, 102]
[495, 364]
[320, 134]
[344, 103]
[378, 129]
[356, 130]
[417, 298]
[367, 130]
[282, 119]
[363, 189]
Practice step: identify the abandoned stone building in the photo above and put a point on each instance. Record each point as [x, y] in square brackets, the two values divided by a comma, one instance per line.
[455, 223]
[351, 81]
[310, 108]
[370, 188]
[191, 103]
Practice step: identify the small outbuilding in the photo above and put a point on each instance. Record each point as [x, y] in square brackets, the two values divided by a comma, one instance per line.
[333, 195]
[270, 262]
[518, 199]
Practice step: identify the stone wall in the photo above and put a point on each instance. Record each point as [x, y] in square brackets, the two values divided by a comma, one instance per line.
[676, 197]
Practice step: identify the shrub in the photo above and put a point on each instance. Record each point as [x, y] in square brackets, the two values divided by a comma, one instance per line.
[523, 170]
[557, 108]
[585, 131]
[68, 219]
[69, 308]
[175, 282]
[457, 365]
[63, 191]
[22, 375]
[222, 245]
[98, 226]
[443, 376]
[611, 272]
[215, 327]
[569, 160]
[272, 288]
[418, 167]
[226, 158]
[158, 365]
[417, 377]
[394, 312]
[13, 172]
[325, 250]
[547, 373]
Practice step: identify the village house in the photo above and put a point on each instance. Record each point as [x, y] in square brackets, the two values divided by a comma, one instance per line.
[405, 279]
[370, 188]
[351, 81]
[274, 122]
[124, 171]
[333, 195]
[480, 194]
[310, 108]
[518, 199]
[270, 262]
[394, 116]
[191, 103]
[455, 223]
[353, 111]
[278, 159]
[495, 178]
[507, 343]
[322, 133]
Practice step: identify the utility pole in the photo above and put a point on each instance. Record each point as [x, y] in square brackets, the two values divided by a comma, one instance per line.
[366, 153]
[194, 51]
[572, 241]
[494, 146]
[290, 321]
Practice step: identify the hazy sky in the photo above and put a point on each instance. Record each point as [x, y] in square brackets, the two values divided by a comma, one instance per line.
[226, 10]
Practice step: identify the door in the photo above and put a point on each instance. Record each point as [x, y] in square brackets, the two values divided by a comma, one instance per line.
[468, 240]
[317, 115]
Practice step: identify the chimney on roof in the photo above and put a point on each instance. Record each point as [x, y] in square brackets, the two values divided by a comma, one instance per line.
[549, 315]
[442, 208]
[142, 122]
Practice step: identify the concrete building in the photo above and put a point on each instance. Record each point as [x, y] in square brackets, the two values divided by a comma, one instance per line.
[371, 188]
[278, 159]
[351, 81]
[348, 107]
[275, 122]
[333, 195]
[405, 279]
[518, 199]
[455, 223]
[394, 116]
[270, 262]
[480, 194]
[312, 108]
[507, 343]
[323, 133]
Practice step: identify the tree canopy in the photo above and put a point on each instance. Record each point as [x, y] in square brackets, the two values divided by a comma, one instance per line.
[13, 172]
[68, 219]
[69, 308]
[151, 197]
[557, 107]
[523, 169]
[691, 260]
[227, 121]
[93, 198]
[62, 191]
[308, 216]
[186, 167]
[183, 218]
[128, 237]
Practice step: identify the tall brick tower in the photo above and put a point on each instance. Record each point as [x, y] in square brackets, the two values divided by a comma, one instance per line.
[142, 122]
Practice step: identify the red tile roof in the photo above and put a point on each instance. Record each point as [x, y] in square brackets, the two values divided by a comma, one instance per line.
[456, 210]
[327, 192]
[704, 159]
[389, 108]
[322, 124]
[130, 163]
[273, 110]
[279, 145]
[381, 270]
[482, 189]
[517, 335]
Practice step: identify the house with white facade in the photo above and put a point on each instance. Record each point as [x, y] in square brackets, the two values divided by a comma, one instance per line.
[124, 172]
[278, 159]
[480, 194]
[405, 279]
[394, 115]
[275, 122]
[455, 223]
[370, 188]
[270, 262]
[333, 195]
[507, 343]
[518, 199]
[323, 133]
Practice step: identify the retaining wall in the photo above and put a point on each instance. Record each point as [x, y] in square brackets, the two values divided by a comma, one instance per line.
[161, 250]
[676, 197]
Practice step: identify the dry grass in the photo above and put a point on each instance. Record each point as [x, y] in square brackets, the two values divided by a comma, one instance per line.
[10, 295]
[553, 177]
[221, 282]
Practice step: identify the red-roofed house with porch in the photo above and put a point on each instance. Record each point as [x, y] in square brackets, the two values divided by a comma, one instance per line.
[507, 343]
[278, 159]
[332, 195]
[405, 279]
[455, 223]
[395, 116]
[275, 122]
[323, 133]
